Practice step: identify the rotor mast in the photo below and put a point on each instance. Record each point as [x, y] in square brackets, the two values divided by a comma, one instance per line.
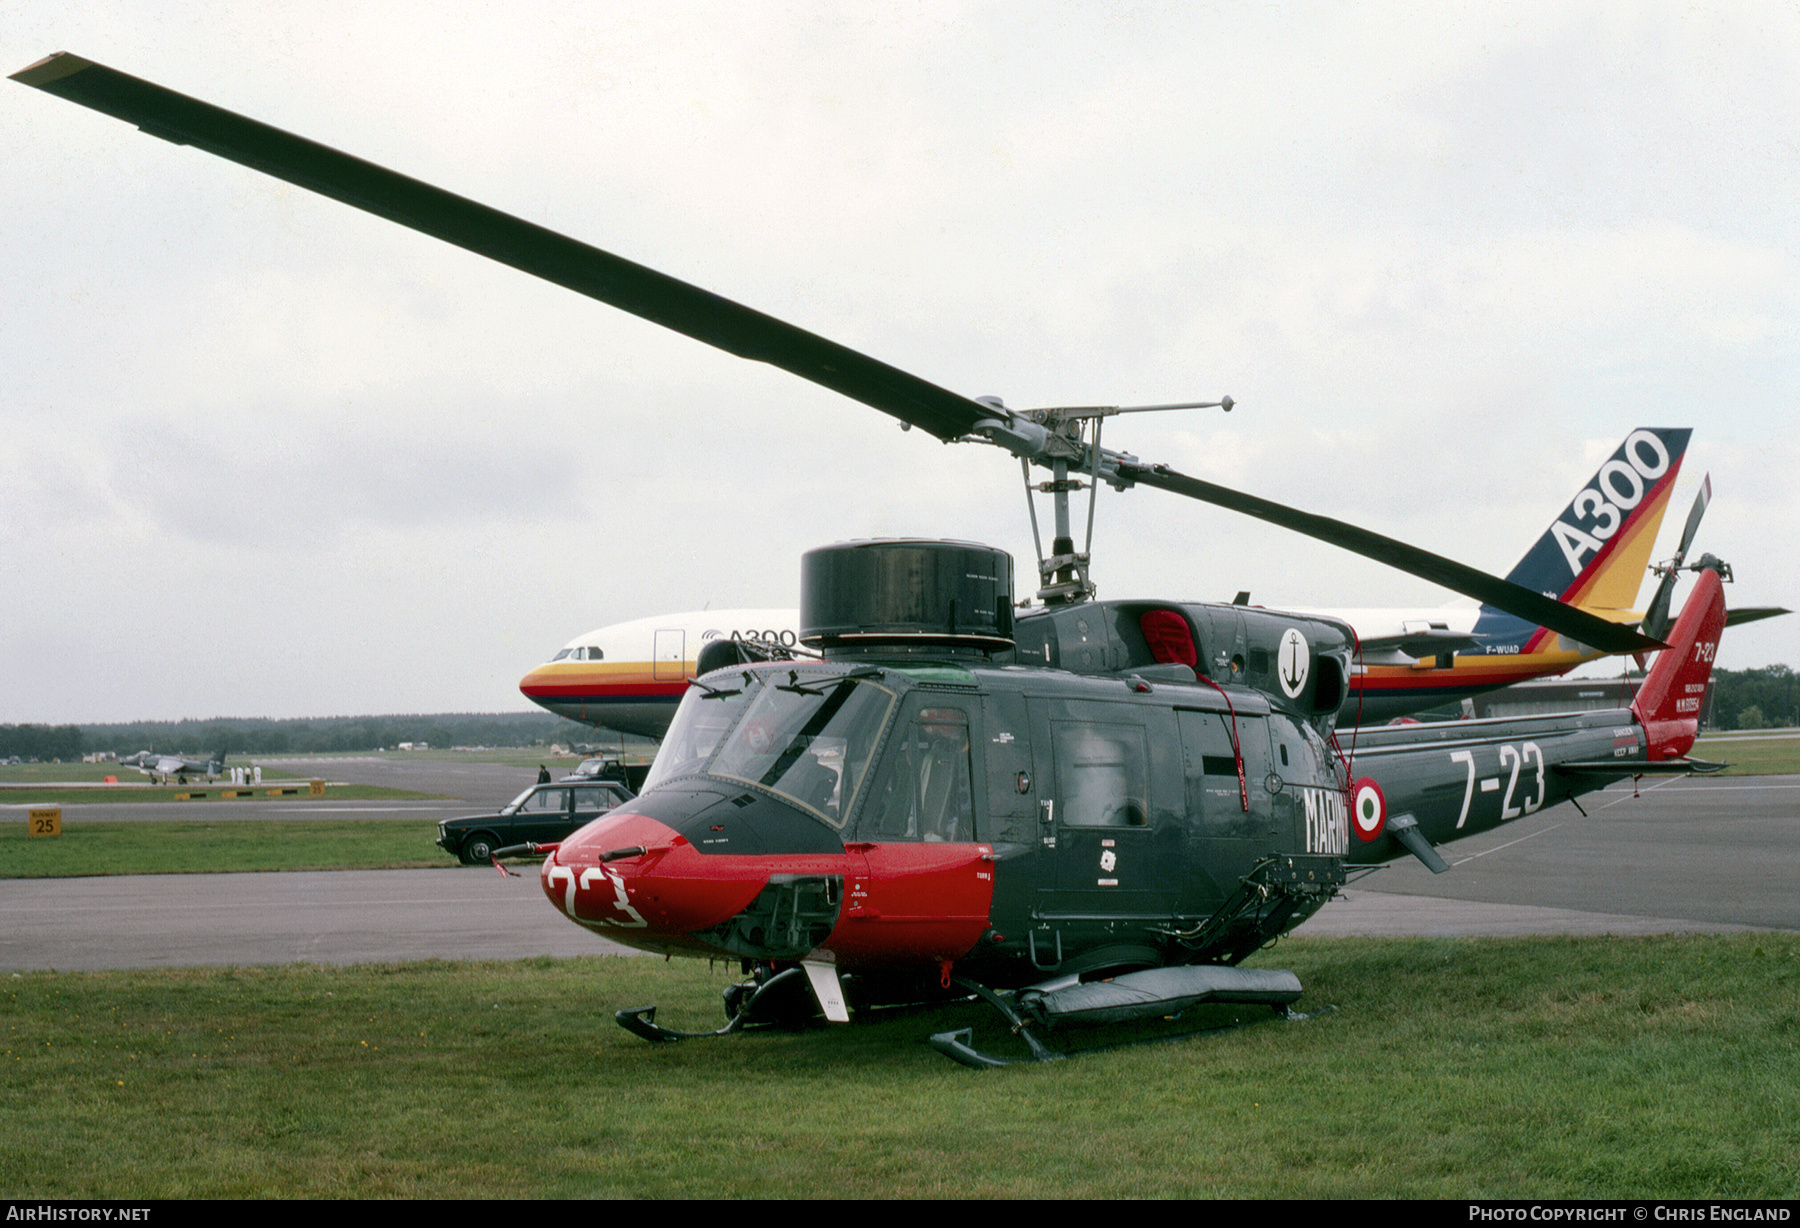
[1066, 439]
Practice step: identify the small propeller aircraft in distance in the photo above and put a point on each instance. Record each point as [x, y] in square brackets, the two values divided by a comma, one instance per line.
[630, 677]
[1076, 813]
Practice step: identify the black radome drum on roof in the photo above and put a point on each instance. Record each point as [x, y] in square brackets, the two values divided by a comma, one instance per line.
[906, 593]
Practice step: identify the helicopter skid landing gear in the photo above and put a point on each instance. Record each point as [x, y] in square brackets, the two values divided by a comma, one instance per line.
[958, 1046]
[1152, 993]
[743, 1003]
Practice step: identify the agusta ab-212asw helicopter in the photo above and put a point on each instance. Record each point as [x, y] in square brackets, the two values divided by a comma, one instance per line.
[1090, 812]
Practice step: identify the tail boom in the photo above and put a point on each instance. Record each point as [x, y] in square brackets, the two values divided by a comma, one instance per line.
[1668, 704]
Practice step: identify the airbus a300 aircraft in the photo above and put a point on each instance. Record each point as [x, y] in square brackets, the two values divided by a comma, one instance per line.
[630, 677]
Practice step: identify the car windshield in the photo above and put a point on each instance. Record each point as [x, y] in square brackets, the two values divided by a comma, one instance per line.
[538, 798]
[809, 740]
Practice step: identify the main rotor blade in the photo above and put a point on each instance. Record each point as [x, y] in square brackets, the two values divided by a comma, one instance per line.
[543, 253]
[703, 315]
[1501, 594]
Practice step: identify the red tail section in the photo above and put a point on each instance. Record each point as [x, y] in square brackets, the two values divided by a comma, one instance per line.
[1668, 704]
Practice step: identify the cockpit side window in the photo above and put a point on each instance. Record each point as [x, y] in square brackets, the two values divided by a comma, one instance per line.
[924, 791]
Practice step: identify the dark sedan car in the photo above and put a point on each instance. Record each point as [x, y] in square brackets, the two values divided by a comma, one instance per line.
[542, 814]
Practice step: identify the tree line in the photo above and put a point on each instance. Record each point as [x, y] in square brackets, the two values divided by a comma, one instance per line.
[41, 742]
[244, 736]
[1741, 699]
[1754, 698]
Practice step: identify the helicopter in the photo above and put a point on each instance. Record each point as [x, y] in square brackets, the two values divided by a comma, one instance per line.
[1087, 812]
[930, 807]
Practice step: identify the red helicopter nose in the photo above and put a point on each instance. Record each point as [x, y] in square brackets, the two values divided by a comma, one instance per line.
[638, 881]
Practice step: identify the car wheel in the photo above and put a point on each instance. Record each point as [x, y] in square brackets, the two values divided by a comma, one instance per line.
[479, 848]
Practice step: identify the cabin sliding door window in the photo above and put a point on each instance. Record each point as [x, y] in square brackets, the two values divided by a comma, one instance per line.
[1102, 774]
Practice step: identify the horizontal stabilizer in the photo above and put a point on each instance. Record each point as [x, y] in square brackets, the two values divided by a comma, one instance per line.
[1753, 614]
[1619, 769]
[1427, 643]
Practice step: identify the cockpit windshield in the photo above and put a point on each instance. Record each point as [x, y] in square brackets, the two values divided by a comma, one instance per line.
[705, 716]
[805, 736]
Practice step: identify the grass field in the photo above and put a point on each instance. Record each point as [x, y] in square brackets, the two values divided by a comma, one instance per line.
[199, 846]
[1665, 1068]
[1759, 756]
[53, 774]
[50, 795]
[304, 767]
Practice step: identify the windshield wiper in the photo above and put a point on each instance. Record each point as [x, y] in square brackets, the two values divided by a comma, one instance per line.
[715, 692]
[796, 687]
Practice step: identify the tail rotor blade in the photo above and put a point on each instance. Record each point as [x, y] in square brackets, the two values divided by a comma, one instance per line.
[1657, 620]
[1701, 501]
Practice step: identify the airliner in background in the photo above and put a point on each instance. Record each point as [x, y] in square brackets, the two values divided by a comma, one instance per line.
[629, 677]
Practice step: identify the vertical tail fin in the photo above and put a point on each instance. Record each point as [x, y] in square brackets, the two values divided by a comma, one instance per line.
[1595, 553]
[1668, 704]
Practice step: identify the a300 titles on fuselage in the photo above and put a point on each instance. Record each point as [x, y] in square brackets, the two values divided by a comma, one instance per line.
[900, 816]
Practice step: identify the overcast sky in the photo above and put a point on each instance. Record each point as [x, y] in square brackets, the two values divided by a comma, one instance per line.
[263, 455]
